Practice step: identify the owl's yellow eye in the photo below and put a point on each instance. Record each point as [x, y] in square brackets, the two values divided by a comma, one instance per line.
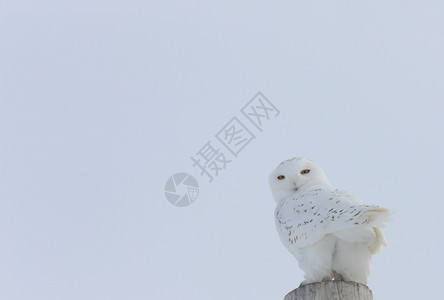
[306, 171]
[280, 177]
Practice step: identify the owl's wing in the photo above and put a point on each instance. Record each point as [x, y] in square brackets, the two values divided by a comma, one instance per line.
[308, 216]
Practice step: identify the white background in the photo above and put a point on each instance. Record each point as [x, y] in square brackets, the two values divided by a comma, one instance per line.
[102, 101]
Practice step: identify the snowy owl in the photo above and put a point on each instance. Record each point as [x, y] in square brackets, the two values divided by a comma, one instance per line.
[331, 233]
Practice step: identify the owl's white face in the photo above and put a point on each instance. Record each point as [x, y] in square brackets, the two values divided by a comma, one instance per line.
[294, 174]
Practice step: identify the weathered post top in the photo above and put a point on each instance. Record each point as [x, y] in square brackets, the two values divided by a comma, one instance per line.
[331, 290]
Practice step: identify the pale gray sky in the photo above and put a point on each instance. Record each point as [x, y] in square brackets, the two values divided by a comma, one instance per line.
[102, 101]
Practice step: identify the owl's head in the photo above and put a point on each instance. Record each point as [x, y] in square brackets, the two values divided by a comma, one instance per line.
[295, 174]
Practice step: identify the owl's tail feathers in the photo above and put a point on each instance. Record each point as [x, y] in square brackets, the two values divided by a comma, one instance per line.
[379, 242]
[378, 217]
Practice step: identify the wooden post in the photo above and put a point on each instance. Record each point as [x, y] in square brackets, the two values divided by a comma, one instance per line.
[331, 290]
